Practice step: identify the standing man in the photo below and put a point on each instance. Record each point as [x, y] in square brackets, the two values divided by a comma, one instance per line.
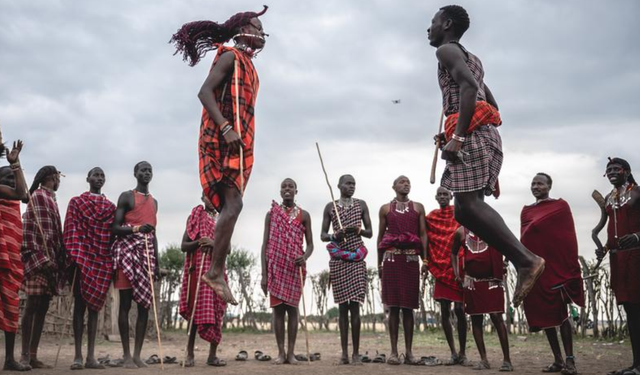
[402, 240]
[87, 239]
[547, 229]
[348, 276]
[285, 227]
[43, 257]
[483, 291]
[228, 96]
[441, 226]
[13, 188]
[623, 243]
[473, 147]
[134, 227]
[197, 242]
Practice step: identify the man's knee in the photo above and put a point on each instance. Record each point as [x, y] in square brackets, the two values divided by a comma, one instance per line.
[496, 318]
[233, 205]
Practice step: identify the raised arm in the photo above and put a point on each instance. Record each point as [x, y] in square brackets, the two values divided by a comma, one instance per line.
[20, 191]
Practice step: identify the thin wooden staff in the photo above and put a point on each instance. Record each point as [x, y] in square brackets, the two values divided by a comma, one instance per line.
[304, 311]
[333, 200]
[153, 300]
[188, 296]
[73, 285]
[432, 179]
[195, 305]
[238, 128]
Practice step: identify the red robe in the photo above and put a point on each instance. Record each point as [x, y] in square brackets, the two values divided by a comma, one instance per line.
[11, 270]
[547, 229]
[441, 225]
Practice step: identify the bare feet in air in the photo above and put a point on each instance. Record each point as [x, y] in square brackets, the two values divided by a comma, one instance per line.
[527, 278]
[220, 287]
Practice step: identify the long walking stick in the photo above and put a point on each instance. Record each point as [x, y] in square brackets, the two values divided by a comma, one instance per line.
[333, 200]
[238, 128]
[304, 311]
[73, 285]
[432, 179]
[195, 305]
[153, 300]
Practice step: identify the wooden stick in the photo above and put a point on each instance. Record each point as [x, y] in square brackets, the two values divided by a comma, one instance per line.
[73, 285]
[432, 179]
[153, 300]
[195, 305]
[333, 200]
[238, 128]
[304, 311]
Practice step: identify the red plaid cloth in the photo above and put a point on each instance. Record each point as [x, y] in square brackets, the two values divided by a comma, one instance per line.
[285, 244]
[210, 308]
[11, 271]
[441, 225]
[42, 218]
[217, 163]
[87, 235]
[484, 114]
[129, 255]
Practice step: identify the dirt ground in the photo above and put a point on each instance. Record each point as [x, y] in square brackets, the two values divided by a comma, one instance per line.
[528, 356]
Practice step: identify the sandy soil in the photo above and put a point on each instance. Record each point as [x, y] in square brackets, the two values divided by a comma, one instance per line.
[528, 356]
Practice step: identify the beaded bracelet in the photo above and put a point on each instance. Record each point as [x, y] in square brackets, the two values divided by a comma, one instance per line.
[458, 138]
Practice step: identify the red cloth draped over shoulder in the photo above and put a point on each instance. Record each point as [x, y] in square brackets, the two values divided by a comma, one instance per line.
[484, 114]
[87, 236]
[441, 225]
[11, 270]
[548, 230]
[217, 163]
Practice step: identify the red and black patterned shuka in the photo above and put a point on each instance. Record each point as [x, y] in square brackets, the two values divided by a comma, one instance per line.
[401, 262]
[285, 245]
[210, 308]
[348, 279]
[441, 226]
[42, 244]
[480, 167]
[11, 269]
[87, 239]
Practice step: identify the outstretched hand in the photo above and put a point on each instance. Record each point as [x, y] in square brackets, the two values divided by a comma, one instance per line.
[14, 155]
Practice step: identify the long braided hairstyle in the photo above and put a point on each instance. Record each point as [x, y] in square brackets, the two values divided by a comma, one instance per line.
[194, 39]
[41, 176]
[625, 165]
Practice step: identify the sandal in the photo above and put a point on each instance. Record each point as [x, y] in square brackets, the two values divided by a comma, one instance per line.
[554, 367]
[414, 362]
[169, 360]
[242, 355]
[631, 371]
[300, 357]
[260, 356]
[506, 367]
[216, 362]
[153, 360]
[380, 358]
[365, 358]
[482, 365]
[431, 361]
[394, 360]
[77, 365]
[316, 355]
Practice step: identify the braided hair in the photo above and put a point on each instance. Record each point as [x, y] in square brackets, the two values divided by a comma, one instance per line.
[459, 16]
[625, 165]
[41, 176]
[195, 39]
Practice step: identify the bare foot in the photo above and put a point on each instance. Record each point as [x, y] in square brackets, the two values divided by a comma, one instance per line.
[140, 363]
[344, 360]
[220, 287]
[356, 360]
[291, 359]
[129, 363]
[91, 363]
[281, 360]
[189, 362]
[39, 364]
[13, 365]
[527, 278]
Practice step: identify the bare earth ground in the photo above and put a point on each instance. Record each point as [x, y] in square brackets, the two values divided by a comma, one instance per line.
[528, 356]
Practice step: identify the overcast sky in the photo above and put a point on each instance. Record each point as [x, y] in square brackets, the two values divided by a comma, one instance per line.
[95, 83]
